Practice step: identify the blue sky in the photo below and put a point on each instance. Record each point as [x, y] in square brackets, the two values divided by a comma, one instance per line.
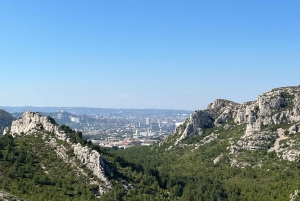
[146, 54]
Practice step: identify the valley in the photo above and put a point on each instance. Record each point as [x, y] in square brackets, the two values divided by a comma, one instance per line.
[229, 151]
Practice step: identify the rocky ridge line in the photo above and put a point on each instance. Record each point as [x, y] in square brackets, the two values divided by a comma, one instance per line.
[280, 106]
[32, 123]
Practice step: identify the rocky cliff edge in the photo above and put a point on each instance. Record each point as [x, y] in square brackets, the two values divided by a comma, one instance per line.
[279, 107]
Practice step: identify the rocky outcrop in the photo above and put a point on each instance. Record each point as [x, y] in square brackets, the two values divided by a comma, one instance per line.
[7, 197]
[222, 110]
[218, 112]
[6, 130]
[294, 196]
[278, 106]
[197, 121]
[294, 129]
[275, 107]
[32, 121]
[206, 140]
[93, 161]
[254, 142]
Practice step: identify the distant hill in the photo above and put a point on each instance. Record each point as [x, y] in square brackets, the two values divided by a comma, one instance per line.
[5, 120]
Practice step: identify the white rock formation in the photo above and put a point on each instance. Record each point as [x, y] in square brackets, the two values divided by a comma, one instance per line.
[6, 131]
[278, 106]
[32, 121]
[218, 158]
[294, 196]
[294, 129]
[93, 162]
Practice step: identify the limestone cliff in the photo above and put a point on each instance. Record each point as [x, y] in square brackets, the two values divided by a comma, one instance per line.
[218, 112]
[278, 108]
[32, 121]
[93, 162]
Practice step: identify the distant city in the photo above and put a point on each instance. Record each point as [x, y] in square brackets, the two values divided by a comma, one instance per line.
[119, 128]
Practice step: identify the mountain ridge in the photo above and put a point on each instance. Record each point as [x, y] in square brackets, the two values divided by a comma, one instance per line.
[31, 123]
[280, 105]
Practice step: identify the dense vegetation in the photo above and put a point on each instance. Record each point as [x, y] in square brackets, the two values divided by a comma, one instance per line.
[186, 173]
[30, 169]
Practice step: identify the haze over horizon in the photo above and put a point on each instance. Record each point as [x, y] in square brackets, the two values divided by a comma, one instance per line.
[133, 54]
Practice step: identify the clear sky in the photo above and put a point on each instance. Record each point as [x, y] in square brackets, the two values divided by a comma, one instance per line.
[164, 54]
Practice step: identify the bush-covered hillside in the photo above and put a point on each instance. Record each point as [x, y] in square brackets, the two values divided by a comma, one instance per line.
[205, 172]
[5, 120]
[31, 169]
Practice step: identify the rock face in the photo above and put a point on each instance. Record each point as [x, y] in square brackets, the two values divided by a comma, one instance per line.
[6, 130]
[276, 107]
[93, 162]
[218, 112]
[32, 121]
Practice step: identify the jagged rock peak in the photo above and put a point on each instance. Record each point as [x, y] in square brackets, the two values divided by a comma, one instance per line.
[218, 112]
[277, 106]
[31, 121]
[220, 103]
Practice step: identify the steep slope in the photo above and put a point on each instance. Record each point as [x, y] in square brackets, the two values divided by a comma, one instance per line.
[279, 108]
[37, 153]
[230, 151]
[5, 120]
